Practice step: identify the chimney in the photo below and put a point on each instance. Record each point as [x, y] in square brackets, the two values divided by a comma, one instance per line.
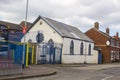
[107, 30]
[117, 34]
[96, 25]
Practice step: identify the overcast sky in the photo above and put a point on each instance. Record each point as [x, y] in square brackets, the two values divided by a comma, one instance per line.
[79, 13]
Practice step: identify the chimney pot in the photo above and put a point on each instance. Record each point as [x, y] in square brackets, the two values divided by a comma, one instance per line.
[107, 30]
[96, 25]
[117, 34]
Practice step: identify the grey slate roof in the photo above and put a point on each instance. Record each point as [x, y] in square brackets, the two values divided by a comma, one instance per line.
[28, 24]
[65, 30]
[11, 25]
[68, 31]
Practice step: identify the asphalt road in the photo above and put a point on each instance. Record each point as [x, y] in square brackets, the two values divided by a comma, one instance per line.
[83, 73]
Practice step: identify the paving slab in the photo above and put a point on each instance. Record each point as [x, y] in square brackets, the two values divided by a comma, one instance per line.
[31, 72]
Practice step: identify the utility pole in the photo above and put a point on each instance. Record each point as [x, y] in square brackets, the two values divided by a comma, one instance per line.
[85, 62]
[24, 31]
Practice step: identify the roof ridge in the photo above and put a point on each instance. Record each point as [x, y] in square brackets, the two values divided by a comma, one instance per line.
[9, 22]
[102, 32]
[27, 22]
[61, 22]
[69, 29]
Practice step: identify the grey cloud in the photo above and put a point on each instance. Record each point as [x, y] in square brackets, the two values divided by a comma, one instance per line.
[80, 13]
[8, 1]
[5, 1]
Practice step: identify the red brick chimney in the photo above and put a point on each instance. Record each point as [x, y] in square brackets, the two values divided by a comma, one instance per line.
[96, 25]
[107, 30]
[117, 34]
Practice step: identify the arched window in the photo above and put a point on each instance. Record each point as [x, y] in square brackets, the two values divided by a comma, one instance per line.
[51, 43]
[89, 49]
[81, 48]
[72, 48]
[29, 40]
[51, 46]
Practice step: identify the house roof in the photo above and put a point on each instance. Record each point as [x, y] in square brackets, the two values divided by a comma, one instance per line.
[103, 33]
[65, 30]
[106, 34]
[11, 25]
[28, 24]
[68, 31]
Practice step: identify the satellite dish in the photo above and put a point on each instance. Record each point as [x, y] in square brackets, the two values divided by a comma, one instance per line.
[108, 43]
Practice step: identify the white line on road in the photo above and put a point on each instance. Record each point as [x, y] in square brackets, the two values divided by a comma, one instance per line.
[107, 78]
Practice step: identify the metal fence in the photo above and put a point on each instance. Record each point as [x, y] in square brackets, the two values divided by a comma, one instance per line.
[10, 58]
[46, 54]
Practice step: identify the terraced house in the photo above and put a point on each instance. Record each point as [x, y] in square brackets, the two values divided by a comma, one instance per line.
[60, 43]
[109, 45]
[10, 31]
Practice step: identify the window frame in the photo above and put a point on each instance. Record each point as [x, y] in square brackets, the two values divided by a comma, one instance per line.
[81, 48]
[89, 49]
[72, 48]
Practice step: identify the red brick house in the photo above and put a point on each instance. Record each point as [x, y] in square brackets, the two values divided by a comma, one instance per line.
[116, 57]
[110, 46]
[28, 24]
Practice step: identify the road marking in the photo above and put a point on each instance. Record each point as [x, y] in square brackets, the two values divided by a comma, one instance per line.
[107, 78]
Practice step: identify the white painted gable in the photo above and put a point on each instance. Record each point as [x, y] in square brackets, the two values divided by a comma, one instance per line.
[65, 34]
[43, 27]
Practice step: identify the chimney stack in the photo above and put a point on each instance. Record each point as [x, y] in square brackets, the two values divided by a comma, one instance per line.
[117, 34]
[107, 30]
[96, 25]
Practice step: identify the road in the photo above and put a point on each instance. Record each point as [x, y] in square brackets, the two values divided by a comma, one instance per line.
[94, 72]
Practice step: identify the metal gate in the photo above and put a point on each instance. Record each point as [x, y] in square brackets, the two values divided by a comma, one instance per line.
[10, 58]
[48, 54]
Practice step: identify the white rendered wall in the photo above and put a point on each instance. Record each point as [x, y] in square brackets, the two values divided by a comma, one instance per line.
[50, 33]
[47, 31]
[77, 58]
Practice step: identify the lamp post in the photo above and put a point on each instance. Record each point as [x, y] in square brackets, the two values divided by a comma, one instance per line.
[24, 31]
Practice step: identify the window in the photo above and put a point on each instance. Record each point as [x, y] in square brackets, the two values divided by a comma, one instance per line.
[50, 42]
[17, 32]
[75, 35]
[81, 48]
[12, 32]
[72, 48]
[89, 49]
[51, 46]
[2, 27]
[30, 40]
[112, 42]
[117, 43]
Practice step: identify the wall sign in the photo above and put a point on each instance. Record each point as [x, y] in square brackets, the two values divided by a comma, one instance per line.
[107, 43]
[39, 37]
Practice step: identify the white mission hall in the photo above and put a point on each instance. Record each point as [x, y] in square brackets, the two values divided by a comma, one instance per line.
[69, 44]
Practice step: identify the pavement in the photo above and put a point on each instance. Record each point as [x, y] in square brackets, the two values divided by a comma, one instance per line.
[47, 70]
[31, 72]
